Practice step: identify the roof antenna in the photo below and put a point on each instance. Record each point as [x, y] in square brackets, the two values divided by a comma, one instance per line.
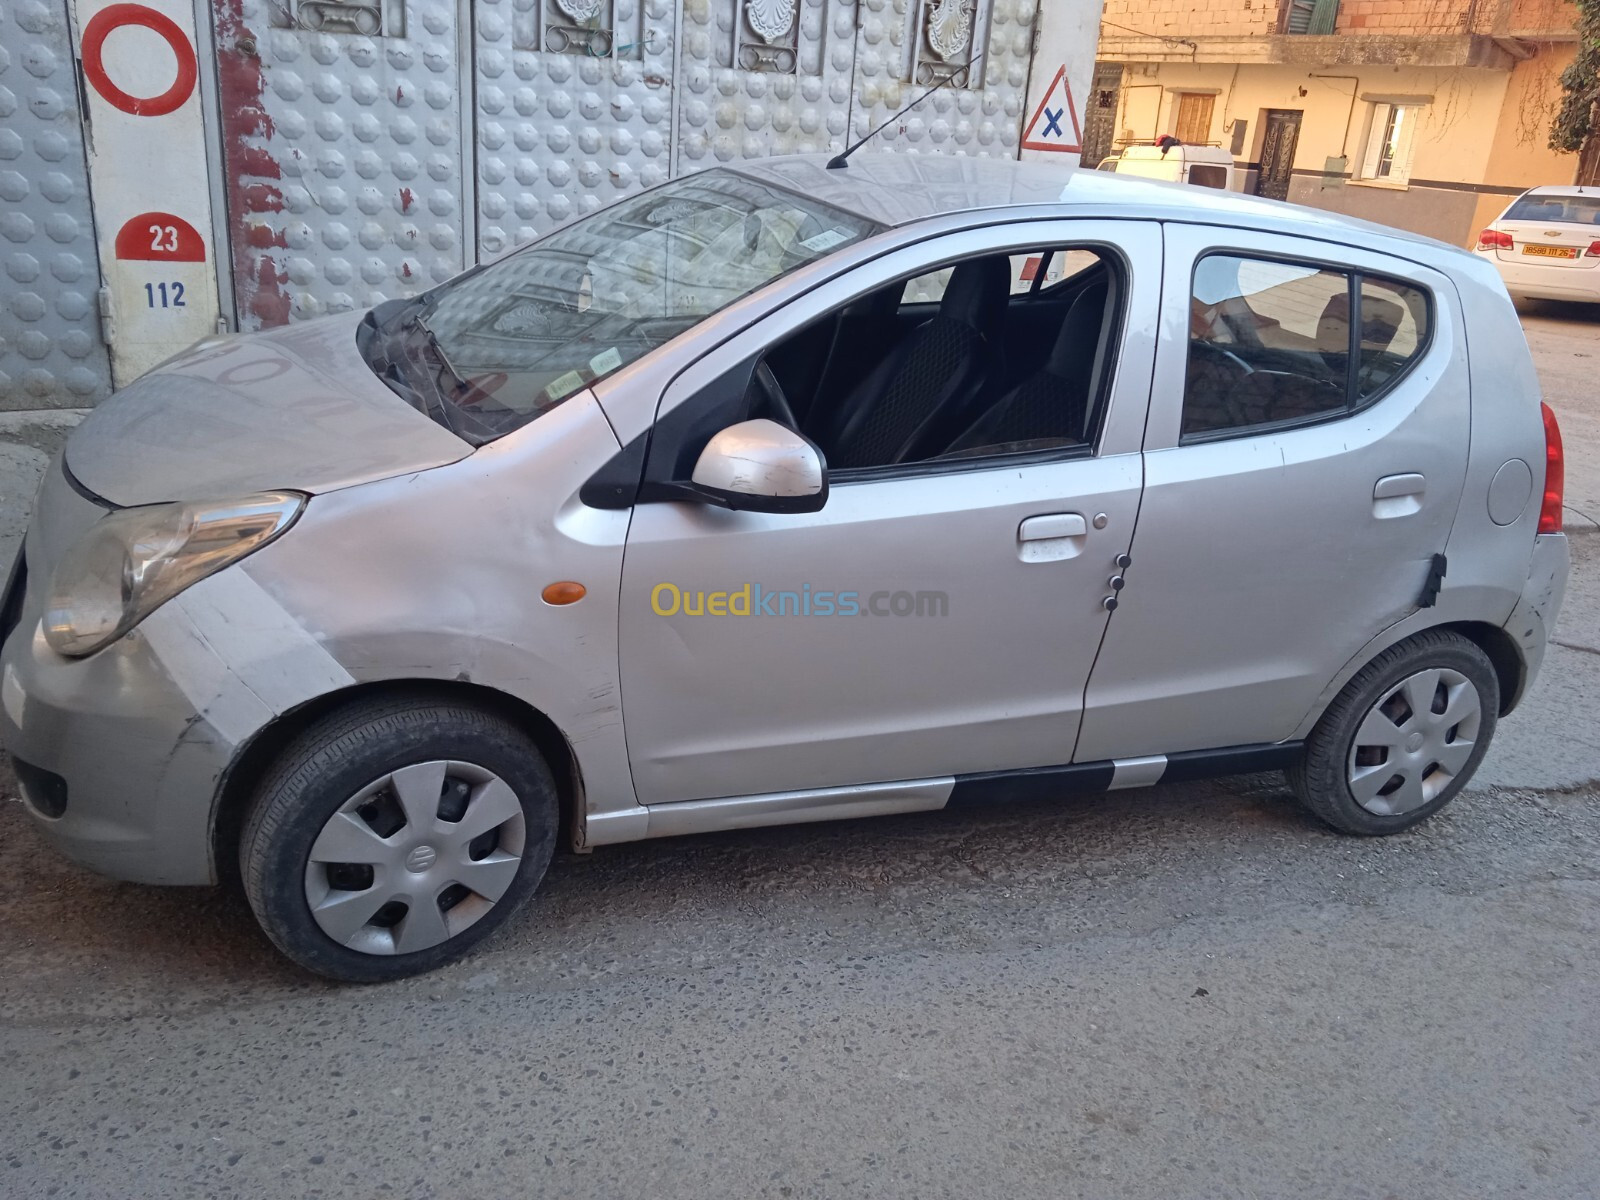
[839, 161]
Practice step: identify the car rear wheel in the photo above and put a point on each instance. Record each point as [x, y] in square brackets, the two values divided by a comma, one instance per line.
[392, 836]
[1402, 738]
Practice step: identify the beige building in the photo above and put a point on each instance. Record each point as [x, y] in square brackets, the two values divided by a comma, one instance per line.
[1426, 114]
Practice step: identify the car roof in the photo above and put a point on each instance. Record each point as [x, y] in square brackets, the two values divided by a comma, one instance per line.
[1183, 150]
[899, 189]
[1561, 189]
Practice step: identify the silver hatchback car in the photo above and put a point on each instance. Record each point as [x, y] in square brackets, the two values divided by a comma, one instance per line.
[784, 493]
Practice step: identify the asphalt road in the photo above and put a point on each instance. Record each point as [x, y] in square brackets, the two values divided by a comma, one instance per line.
[1190, 991]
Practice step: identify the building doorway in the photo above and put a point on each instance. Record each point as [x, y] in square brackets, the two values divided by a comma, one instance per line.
[1281, 134]
[1100, 122]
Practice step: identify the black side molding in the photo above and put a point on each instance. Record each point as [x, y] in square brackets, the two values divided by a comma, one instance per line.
[1230, 760]
[1435, 579]
[1077, 779]
[1034, 783]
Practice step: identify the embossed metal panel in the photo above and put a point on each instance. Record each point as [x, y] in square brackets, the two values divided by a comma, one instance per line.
[342, 129]
[51, 352]
[563, 128]
[767, 77]
[983, 47]
[349, 177]
[574, 109]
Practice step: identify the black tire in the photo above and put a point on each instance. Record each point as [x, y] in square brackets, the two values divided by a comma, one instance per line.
[1321, 778]
[334, 760]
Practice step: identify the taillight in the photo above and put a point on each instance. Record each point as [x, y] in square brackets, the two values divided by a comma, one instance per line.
[1555, 475]
[1494, 239]
[1593, 251]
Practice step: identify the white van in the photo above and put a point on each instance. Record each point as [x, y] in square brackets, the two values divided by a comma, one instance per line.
[1203, 166]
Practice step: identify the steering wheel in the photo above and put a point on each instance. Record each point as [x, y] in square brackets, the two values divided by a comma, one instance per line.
[774, 401]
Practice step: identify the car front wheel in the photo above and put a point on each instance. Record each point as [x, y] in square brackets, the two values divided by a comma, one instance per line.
[1403, 737]
[392, 836]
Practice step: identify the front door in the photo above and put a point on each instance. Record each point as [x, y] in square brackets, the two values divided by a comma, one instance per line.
[925, 623]
[1281, 137]
[1297, 487]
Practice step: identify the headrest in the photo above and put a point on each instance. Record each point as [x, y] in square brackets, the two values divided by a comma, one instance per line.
[1380, 322]
[1079, 339]
[977, 291]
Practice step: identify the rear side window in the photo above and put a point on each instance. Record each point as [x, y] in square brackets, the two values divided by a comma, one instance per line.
[1277, 344]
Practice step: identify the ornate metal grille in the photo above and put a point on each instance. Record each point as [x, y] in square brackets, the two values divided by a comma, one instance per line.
[584, 27]
[946, 36]
[766, 36]
[368, 18]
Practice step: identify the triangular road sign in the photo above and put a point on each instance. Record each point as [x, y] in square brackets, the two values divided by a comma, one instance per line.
[1055, 122]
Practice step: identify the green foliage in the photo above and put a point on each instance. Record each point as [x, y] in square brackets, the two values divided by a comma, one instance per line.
[1577, 120]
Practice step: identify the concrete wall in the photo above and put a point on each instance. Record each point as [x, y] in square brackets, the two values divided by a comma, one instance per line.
[1520, 154]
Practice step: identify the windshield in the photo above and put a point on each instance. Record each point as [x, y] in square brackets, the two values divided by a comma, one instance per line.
[1555, 208]
[490, 350]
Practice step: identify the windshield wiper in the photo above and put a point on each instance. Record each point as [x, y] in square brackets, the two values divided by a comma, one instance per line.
[438, 352]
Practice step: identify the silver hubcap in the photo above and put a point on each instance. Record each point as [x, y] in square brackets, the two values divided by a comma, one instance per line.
[415, 857]
[1414, 742]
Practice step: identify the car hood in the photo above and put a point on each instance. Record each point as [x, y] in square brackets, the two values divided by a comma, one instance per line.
[295, 408]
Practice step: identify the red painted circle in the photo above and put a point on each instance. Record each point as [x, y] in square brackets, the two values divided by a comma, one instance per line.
[114, 17]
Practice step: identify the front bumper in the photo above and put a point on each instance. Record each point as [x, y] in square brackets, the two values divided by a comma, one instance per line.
[142, 733]
[140, 765]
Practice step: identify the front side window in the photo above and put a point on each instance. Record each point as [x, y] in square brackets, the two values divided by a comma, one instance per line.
[882, 385]
[1274, 344]
[1032, 271]
[489, 351]
[994, 355]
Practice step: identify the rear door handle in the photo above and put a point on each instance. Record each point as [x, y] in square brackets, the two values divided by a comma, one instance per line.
[1398, 495]
[1051, 537]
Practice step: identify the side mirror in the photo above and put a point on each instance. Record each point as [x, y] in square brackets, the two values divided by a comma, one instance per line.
[761, 466]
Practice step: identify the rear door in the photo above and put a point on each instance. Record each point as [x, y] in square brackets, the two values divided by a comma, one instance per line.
[1295, 494]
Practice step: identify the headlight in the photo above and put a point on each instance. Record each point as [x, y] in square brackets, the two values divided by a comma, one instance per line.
[137, 559]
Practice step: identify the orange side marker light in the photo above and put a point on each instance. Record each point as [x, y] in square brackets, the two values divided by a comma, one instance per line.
[565, 592]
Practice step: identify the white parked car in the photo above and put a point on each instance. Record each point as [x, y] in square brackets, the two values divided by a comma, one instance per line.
[1203, 166]
[784, 493]
[1546, 246]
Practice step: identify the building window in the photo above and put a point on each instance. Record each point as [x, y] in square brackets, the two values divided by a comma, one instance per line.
[1308, 16]
[1193, 126]
[1390, 132]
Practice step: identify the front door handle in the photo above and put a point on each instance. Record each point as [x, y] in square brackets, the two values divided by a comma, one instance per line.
[1398, 495]
[1052, 525]
[1051, 537]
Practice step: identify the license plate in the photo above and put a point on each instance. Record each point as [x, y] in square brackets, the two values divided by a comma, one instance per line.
[1551, 251]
